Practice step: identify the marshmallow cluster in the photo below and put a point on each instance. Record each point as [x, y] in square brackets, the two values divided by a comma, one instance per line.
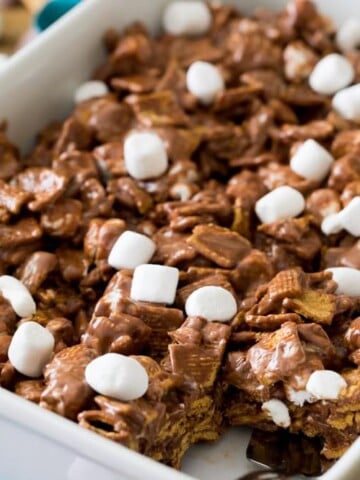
[211, 303]
[145, 155]
[311, 161]
[130, 250]
[282, 202]
[89, 90]
[325, 385]
[347, 103]
[204, 81]
[347, 279]
[332, 73]
[187, 18]
[348, 35]
[347, 219]
[278, 412]
[154, 283]
[117, 376]
[30, 349]
[18, 295]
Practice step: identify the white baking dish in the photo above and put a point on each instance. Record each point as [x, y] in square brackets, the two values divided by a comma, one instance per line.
[36, 87]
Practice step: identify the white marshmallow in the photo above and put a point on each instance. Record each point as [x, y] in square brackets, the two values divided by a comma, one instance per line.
[89, 90]
[278, 412]
[325, 384]
[211, 303]
[154, 283]
[347, 103]
[187, 18]
[350, 217]
[130, 250]
[283, 202]
[31, 348]
[311, 161]
[331, 224]
[347, 219]
[298, 397]
[332, 73]
[117, 376]
[348, 35]
[181, 191]
[145, 155]
[204, 81]
[18, 295]
[347, 279]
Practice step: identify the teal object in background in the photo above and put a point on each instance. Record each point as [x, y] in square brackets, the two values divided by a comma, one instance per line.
[52, 11]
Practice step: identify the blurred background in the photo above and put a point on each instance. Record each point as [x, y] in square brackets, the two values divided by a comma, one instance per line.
[22, 20]
[16, 19]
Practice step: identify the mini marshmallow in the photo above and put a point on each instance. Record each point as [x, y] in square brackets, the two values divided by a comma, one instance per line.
[211, 303]
[331, 224]
[145, 155]
[187, 18]
[154, 283]
[298, 397]
[283, 202]
[130, 250]
[278, 412]
[347, 103]
[325, 384]
[204, 81]
[348, 35]
[332, 73]
[347, 219]
[347, 279]
[30, 349]
[311, 161]
[18, 295]
[350, 217]
[89, 90]
[181, 191]
[117, 376]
